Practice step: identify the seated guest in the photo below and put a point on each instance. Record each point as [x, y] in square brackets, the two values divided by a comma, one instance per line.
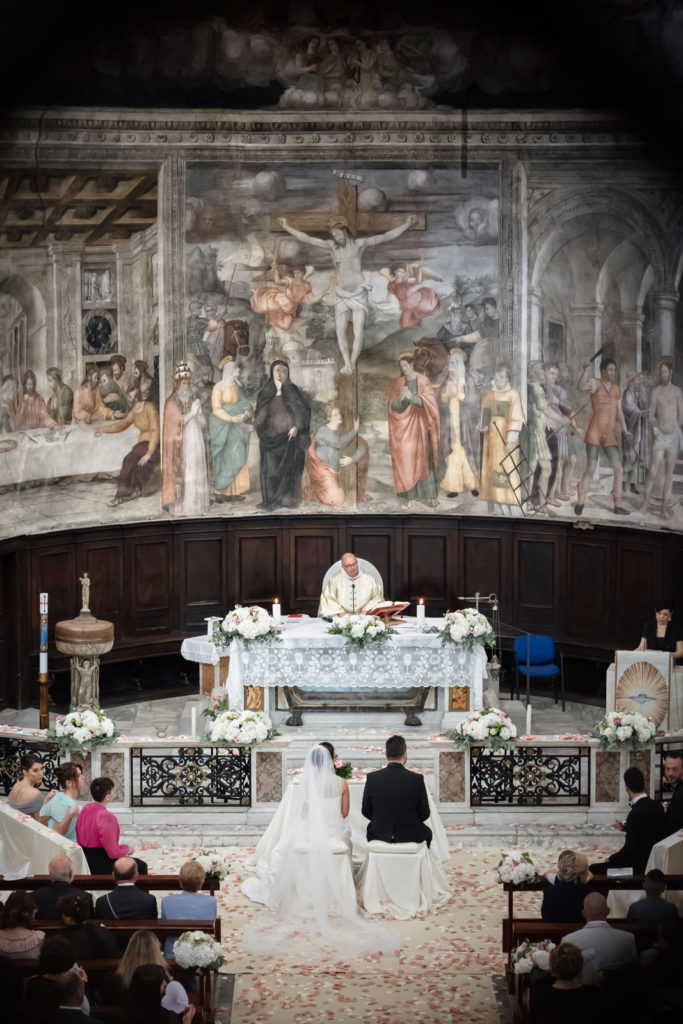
[61, 810]
[143, 947]
[61, 874]
[566, 1000]
[70, 993]
[653, 909]
[88, 940]
[644, 827]
[19, 937]
[126, 901]
[147, 988]
[97, 831]
[563, 899]
[24, 795]
[350, 590]
[190, 904]
[673, 769]
[57, 958]
[600, 944]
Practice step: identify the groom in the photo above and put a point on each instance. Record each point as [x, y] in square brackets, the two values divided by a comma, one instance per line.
[395, 800]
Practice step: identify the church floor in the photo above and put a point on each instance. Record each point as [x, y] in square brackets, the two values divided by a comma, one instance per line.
[449, 969]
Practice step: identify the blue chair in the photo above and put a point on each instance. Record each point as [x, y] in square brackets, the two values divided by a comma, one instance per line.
[535, 659]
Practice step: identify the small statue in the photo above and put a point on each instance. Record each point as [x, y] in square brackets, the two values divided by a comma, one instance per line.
[85, 683]
[85, 581]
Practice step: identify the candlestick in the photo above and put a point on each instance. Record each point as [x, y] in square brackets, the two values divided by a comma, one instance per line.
[44, 715]
[210, 619]
[528, 719]
[277, 609]
[193, 718]
[420, 612]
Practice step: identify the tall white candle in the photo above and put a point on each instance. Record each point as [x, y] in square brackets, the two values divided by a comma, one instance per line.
[277, 609]
[420, 612]
[193, 718]
[528, 719]
[209, 626]
[42, 667]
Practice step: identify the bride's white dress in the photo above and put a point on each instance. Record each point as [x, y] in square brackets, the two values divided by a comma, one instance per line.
[302, 879]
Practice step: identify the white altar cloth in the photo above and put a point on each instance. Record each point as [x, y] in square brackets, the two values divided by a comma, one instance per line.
[309, 657]
[356, 822]
[27, 847]
[667, 855]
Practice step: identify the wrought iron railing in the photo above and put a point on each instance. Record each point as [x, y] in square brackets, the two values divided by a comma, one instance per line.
[530, 777]
[190, 777]
[13, 748]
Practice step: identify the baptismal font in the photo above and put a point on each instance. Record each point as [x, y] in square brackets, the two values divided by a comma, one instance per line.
[85, 638]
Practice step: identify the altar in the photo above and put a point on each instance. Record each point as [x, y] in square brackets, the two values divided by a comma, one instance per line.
[309, 658]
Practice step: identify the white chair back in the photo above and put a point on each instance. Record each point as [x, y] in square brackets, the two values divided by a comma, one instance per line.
[363, 565]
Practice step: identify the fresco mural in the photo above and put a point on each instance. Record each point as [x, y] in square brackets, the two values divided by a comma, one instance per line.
[345, 337]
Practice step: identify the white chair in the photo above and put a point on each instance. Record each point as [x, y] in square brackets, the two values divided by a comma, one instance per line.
[401, 880]
[345, 888]
[363, 565]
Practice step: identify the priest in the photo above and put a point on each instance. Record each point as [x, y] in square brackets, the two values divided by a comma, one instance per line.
[349, 590]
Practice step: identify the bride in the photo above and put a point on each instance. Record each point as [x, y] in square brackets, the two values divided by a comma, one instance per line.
[301, 879]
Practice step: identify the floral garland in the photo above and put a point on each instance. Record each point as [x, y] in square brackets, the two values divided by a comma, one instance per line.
[214, 865]
[532, 957]
[489, 728]
[518, 867]
[620, 729]
[197, 949]
[241, 728]
[250, 625]
[466, 627]
[361, 631]
[82, 729]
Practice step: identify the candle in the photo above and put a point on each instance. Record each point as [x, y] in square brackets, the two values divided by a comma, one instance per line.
[528, 719]
[42, 668]
[209, 626]
[420, 611]
[276, 609]
[193, 716]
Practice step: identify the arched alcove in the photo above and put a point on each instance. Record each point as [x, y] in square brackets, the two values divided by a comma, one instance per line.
[31, 350]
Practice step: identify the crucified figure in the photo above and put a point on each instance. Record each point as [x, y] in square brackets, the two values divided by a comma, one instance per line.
[351, 304]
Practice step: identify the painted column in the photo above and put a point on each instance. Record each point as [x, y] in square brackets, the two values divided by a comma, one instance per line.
[630, 347]
[665, 304]
[586, 329]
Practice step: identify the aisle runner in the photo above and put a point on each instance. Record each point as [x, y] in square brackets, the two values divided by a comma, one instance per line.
[442, 973]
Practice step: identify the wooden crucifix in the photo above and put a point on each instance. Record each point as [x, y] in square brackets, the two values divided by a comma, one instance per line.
[350, 231]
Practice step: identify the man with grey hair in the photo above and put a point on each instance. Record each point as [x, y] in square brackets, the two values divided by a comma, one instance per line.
[601, 945]
[61, 875]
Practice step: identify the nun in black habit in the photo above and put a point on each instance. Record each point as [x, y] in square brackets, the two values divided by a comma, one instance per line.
[282, 422]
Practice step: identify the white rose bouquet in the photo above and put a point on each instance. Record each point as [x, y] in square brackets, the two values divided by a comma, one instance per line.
[82, 730]
[214, 865]
[197, 949]
[466, 627]
[250, 625]
[361, 630]
[619, 728]
[518, 867]
[241, 728]
[489, 727]
[532, 957]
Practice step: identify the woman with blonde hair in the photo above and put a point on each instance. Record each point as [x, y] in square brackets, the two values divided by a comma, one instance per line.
[190, 904]
[143, 948]
[563, 897]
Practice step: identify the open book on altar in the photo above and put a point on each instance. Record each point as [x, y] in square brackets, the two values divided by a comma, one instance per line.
[387, 610]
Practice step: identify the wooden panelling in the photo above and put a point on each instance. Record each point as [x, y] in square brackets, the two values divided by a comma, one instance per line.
[538, 568]
[310, 555]
[590, 599]
[485, 566]
[54, 572]
[429, 572]
[377, 547]
[200, 560]
[149, 583]
[638, 575]
[102, 558]
[256, 574]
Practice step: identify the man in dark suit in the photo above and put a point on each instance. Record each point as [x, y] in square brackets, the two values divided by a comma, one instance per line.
[61, 874]
[644, 827]
[653, 909]
[395, 800]
[673, 769]
[70, 992]
[126, 901]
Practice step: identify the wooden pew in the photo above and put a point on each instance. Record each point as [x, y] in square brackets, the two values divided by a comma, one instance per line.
[103, 883]
[163, 929]
[204, 999]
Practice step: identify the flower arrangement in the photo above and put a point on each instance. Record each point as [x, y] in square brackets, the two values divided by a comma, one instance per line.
[518, 867]
[220, 704]
[344, 769]
[618, 728]
[531, 957]
[250, 625]
[197, 949]
[466, 627]
[241, 728]
[361, 630]
[214, 865]
[82, 730]
[489, 727]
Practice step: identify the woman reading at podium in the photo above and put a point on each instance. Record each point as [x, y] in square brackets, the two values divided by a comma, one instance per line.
[663, 634]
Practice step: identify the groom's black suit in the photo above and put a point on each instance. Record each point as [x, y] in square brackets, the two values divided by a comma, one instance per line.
[395, 801]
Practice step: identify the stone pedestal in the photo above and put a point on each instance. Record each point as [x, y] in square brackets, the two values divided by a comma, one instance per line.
[85, 639]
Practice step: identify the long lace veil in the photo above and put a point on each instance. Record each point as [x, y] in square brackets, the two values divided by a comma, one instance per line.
[304, 891]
